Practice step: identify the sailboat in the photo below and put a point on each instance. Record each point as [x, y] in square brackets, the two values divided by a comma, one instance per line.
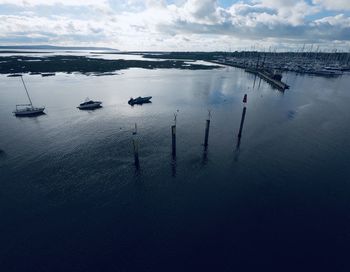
[27, 109]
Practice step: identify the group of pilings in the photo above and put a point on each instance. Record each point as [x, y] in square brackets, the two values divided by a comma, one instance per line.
[135, 141]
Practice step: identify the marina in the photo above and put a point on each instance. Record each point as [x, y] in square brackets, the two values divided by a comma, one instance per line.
[314, 63]
[269, 78]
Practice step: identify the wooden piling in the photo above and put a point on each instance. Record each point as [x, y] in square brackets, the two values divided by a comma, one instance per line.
[207, 127]
[173, 140]
[245, 101]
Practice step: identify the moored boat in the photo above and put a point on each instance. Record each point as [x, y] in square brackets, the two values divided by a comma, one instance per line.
[48, 74]
[27, 109]
[327, 72]
[89, 105]
[139, 100]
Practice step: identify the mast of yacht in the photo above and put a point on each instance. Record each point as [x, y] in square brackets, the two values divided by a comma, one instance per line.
[25, 87]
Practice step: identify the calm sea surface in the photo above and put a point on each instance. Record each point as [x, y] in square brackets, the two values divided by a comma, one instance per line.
[72, 200]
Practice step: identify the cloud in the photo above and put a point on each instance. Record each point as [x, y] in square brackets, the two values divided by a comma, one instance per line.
[28, 3]
[263, 19]
[201, 10]
[179, 25]
[52, 30]
[333, 4]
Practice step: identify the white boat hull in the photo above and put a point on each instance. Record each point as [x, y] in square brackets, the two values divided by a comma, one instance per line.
[29, 111]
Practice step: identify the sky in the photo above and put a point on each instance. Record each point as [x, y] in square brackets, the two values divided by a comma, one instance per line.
[178, 25]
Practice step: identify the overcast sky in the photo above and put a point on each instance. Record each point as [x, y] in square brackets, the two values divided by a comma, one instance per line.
[178, 25]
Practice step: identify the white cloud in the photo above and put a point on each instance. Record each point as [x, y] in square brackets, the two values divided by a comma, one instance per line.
[333, 4]
[339, 20]
[201, 10]
[183, 25]
[27, 3]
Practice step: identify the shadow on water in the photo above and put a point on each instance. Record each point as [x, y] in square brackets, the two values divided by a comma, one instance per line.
[255, 81]
[140, 104]
[239, 136]
[93, 109]
[173, 166]
[206, 140]
[237, 150]
[291, 114]
[137, 173]
[205, 156]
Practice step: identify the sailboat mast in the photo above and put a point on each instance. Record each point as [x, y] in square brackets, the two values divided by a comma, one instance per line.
[25, 87]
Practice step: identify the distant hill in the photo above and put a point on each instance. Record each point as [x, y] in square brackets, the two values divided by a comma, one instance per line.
[52, 47]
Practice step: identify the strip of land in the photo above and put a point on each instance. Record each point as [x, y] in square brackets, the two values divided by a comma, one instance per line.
[86, 65]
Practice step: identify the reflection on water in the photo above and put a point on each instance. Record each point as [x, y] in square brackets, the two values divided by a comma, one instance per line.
[68, 179]
[173, 166]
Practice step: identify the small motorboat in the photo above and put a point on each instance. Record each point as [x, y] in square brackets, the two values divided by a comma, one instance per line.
[139, 100]
[27, 109]
[89, 105]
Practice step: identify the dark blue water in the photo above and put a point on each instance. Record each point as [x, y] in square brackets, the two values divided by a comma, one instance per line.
[72, 200]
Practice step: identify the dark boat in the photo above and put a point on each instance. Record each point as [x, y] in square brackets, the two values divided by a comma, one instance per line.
[48, 74]
[277, 76]
[89, 105]
[273, 74]
[139, 100]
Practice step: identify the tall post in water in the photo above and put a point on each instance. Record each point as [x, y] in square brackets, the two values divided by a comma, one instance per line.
[245, 100]
[173, 146]
[173, 137]
[173, 140]
[206, 137]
